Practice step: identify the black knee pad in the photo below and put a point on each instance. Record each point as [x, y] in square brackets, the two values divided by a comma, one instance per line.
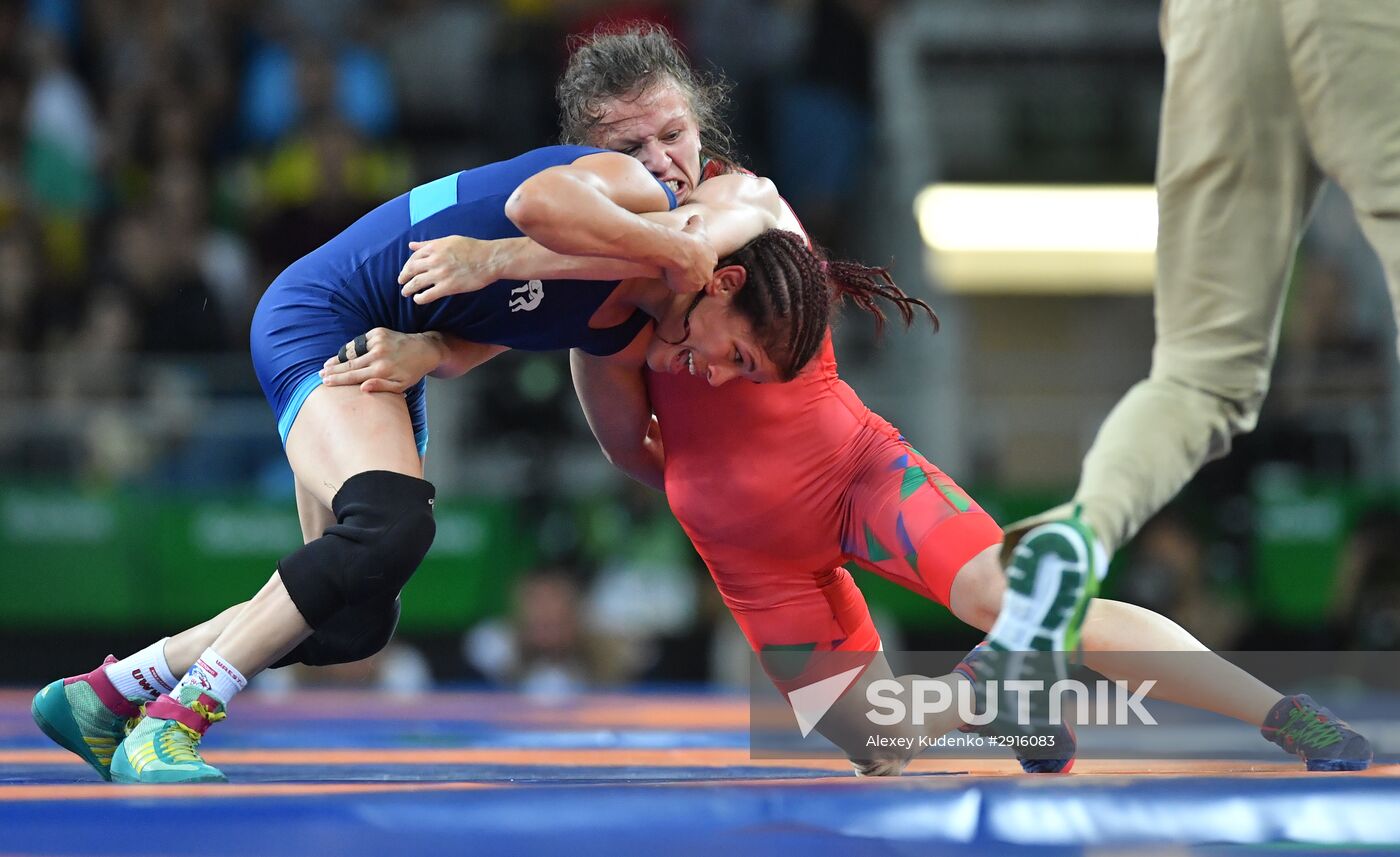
[384, 528]
[351, 635]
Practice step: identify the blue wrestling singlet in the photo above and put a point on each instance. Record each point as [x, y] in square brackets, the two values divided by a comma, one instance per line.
[350, 285]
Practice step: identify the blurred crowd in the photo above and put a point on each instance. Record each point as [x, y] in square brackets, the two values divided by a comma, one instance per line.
[162, 160]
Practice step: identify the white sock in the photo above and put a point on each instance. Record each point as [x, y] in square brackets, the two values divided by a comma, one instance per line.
[214, 674]
[144, 675]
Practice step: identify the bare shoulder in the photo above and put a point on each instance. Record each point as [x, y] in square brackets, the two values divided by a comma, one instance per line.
[736, 187]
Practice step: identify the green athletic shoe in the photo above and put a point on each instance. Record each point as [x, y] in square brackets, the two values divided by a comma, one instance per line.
[164, 746]
[86, 715]
[1324, 741]
[1055, 570]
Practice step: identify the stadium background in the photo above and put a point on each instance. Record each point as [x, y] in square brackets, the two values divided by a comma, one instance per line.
[161, 161]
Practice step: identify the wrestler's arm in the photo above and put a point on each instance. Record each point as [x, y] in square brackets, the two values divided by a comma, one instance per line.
[395, 361]
[615, 402]
[460, 356]
[591, 208]
[734, 209]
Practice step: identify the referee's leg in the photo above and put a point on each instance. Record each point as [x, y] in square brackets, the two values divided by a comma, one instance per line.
[1235, 184]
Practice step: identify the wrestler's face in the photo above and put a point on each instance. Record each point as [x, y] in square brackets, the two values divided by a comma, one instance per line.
[718, 344]
[657, 128]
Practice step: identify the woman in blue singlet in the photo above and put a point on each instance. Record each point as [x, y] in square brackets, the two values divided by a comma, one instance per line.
[619, 255]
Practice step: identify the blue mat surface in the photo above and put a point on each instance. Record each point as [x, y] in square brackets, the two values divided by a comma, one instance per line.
[360, 774]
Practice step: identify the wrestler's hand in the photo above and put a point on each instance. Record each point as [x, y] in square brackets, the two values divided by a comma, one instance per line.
[694, 259]
[384, 361]
[452, 265]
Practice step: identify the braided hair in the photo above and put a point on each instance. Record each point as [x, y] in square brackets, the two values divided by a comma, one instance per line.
[612, 65]
[791, 292]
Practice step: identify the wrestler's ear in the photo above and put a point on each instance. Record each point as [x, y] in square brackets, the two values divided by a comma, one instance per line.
[727, 281]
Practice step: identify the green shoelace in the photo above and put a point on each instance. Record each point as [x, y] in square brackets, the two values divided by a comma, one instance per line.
[1304, 728]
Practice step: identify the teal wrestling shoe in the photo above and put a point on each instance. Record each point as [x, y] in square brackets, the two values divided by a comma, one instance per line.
[87, 716]
[164, 746]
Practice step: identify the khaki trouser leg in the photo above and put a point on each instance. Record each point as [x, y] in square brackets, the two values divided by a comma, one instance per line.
[1235, 183]
[1256, 90]
[1345, 59]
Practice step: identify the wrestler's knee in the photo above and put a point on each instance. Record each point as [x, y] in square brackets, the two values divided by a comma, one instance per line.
[351, 635]
[384, 528]
[978, 588]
